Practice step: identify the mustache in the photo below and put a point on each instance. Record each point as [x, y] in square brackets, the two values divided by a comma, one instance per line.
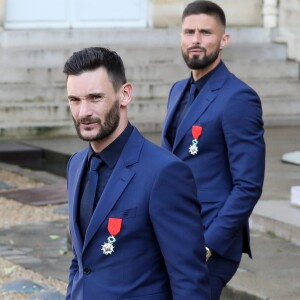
[88, 120]
[196, 47]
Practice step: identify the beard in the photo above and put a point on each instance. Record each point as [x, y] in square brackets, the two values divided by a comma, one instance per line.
[107, 127]
[198, 63]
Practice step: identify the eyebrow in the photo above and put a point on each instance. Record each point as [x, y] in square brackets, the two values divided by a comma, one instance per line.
[205, 29]
[88, 96]
[91, 95]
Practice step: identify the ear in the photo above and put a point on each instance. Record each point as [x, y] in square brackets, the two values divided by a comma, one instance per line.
[224, 41]
[126, 94]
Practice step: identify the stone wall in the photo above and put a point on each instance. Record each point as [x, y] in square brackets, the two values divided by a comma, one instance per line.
[283, 15]
[167, 13]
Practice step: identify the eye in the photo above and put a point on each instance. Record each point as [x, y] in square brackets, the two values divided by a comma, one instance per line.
[206, 32]
[189, 32]
[96, 97]
[73, 99]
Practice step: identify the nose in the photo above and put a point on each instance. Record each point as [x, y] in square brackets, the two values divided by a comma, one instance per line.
[196, 38]
[85, 109]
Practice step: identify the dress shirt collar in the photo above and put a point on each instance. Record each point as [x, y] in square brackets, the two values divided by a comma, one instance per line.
[112, 152]
[201, 82]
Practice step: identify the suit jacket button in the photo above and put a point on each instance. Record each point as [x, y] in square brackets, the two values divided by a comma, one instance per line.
[87, 271]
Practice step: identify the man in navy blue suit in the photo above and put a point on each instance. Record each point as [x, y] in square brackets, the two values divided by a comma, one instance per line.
[214, 124]
[134, 215]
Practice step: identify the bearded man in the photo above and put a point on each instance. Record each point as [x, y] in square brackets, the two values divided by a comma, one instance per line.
[214, 124]
[134, 215]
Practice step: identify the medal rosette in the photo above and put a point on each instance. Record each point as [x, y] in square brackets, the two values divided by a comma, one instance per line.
[196, 132]
[114, 228]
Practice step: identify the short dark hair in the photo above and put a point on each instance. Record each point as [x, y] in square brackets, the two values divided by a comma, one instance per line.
[90, 59]
[204, 7]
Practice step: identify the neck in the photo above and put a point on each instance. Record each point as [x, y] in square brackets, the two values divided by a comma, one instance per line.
[198, 74]
[100, 145]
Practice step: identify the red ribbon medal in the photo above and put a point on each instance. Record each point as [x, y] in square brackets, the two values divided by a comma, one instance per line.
[196, 133]
[114, 228]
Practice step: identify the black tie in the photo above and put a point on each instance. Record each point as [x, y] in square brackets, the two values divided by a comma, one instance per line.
[192, 94]
[89, 193]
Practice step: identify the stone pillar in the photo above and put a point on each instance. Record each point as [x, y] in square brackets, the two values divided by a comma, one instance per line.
[270, 13]
[289, 27]
[2, 13]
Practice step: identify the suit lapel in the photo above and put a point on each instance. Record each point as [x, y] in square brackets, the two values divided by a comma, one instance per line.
[80, 164]
[119, 179]
[175, 97]
[198, 107]
[204, 99]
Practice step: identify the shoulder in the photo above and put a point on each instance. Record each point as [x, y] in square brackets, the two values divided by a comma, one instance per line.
[77, 157]
[234, 84]
[159, 158]
[179, 85]
[147, 151]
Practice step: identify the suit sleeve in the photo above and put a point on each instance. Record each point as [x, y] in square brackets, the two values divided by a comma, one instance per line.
[175, 214]
[74, 264]
[73, 270]
[243, 131]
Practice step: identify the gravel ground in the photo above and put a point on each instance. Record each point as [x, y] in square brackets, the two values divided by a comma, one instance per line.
[13, 213]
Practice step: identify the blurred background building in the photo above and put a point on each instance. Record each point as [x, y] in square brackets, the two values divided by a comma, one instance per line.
[37, 36]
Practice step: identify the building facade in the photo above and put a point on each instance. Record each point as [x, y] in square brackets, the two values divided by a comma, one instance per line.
[46, 14]
[118, 13]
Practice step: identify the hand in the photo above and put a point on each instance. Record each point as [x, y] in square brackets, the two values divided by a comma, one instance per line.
[208, 253]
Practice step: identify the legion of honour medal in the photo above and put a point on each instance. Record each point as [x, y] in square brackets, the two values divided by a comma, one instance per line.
[113, 227]
[196, 132]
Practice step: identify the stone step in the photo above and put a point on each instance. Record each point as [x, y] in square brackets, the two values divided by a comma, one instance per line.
[169, 72]
[33, 112]
[275, 88]
[276, 106]
[50, 119]
[278, 217]
[155, 89]
[265, 70]
[59, 129]
[48, 111]
[146, 114]
[26, 93]
[282, 120]
[19, 130]
[255, 52]
[155, 108]
[134, 55]
[65, 128]
[10, 93]
[149, 37]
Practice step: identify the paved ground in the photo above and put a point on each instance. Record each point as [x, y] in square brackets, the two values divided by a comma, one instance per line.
[273, 273]
[279, 176]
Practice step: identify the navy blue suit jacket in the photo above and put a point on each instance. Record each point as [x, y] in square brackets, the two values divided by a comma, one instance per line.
[229, 167]
[159, 252]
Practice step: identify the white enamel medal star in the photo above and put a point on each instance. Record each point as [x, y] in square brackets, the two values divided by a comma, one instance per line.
[114, 228]
[196, 133]
[107, 248]
[193, 149]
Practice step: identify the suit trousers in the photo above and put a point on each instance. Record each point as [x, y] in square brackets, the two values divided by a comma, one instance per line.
[221, 270]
